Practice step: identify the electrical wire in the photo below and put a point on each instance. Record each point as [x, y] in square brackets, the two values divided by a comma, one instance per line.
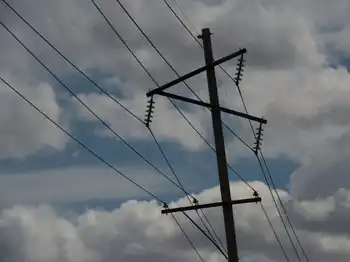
[283, 208]
[169, 64]
[246, 110]
[95, 84]
[87, 107]
[154, 80]
[91, 81]
[211, 147]
[274, 232]
[220, 66]
[214, 231]
[196, 225]
[210, 236]
[70, 62]
[185, 16]
[188, 239]
[97, 156]
[78, 141]
[148, 73]
[178, 75]
[278, 210]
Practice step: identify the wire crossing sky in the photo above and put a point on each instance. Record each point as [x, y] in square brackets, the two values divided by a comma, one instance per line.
[87, 65]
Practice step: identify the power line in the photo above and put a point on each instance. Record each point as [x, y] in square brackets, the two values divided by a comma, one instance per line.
[78, 141]
[169, 64]
[91, 82]
[178, 75]
[87, 107]
[182, 22]
[210, 237]
[278, 210]
[283, 208]
[211, 147]
[155, 81]
[69, 61]
[153, 45]
[123, 41]
[80, 71]
[187, 238]
[185, 16]
[220, 66]
[215, 234]
[195, 224]
[95, 84]
[274, 232]
[148, 73]
[97, 156]
[274, 186]
[245, 108]
[87, 77]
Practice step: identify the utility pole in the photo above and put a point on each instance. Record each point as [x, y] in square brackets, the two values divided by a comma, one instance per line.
[220, 148]
[216, 109]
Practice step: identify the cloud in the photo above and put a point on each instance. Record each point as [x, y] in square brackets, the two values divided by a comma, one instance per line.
[306, 110]
[137, 229]
[22, 130]
[167, 124]
[325, 172]
[288, 80]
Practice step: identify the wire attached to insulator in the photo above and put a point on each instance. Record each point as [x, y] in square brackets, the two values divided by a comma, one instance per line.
[165, 206]
[258, 141]
[239, 70]
[149, 112]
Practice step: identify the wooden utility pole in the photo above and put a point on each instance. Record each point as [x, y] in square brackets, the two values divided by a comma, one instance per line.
[220, 148]
[216, 109]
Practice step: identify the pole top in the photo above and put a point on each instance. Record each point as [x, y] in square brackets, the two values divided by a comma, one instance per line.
[205, 31]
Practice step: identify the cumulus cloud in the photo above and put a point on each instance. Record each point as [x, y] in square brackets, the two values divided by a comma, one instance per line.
[287, 81]
[167, 124]
[137, 230]
[23, 131]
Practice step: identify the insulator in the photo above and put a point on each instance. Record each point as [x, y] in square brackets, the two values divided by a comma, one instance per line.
[239, 70]
[258, 141]
[149, 111]
[195, 201]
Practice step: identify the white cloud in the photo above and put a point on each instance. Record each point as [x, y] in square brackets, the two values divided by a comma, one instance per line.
[24, 131]
[167, 124]
[306, 110]
[137, 229]
[287, 79]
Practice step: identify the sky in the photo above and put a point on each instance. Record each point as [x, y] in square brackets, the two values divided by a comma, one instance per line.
[60, 203]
